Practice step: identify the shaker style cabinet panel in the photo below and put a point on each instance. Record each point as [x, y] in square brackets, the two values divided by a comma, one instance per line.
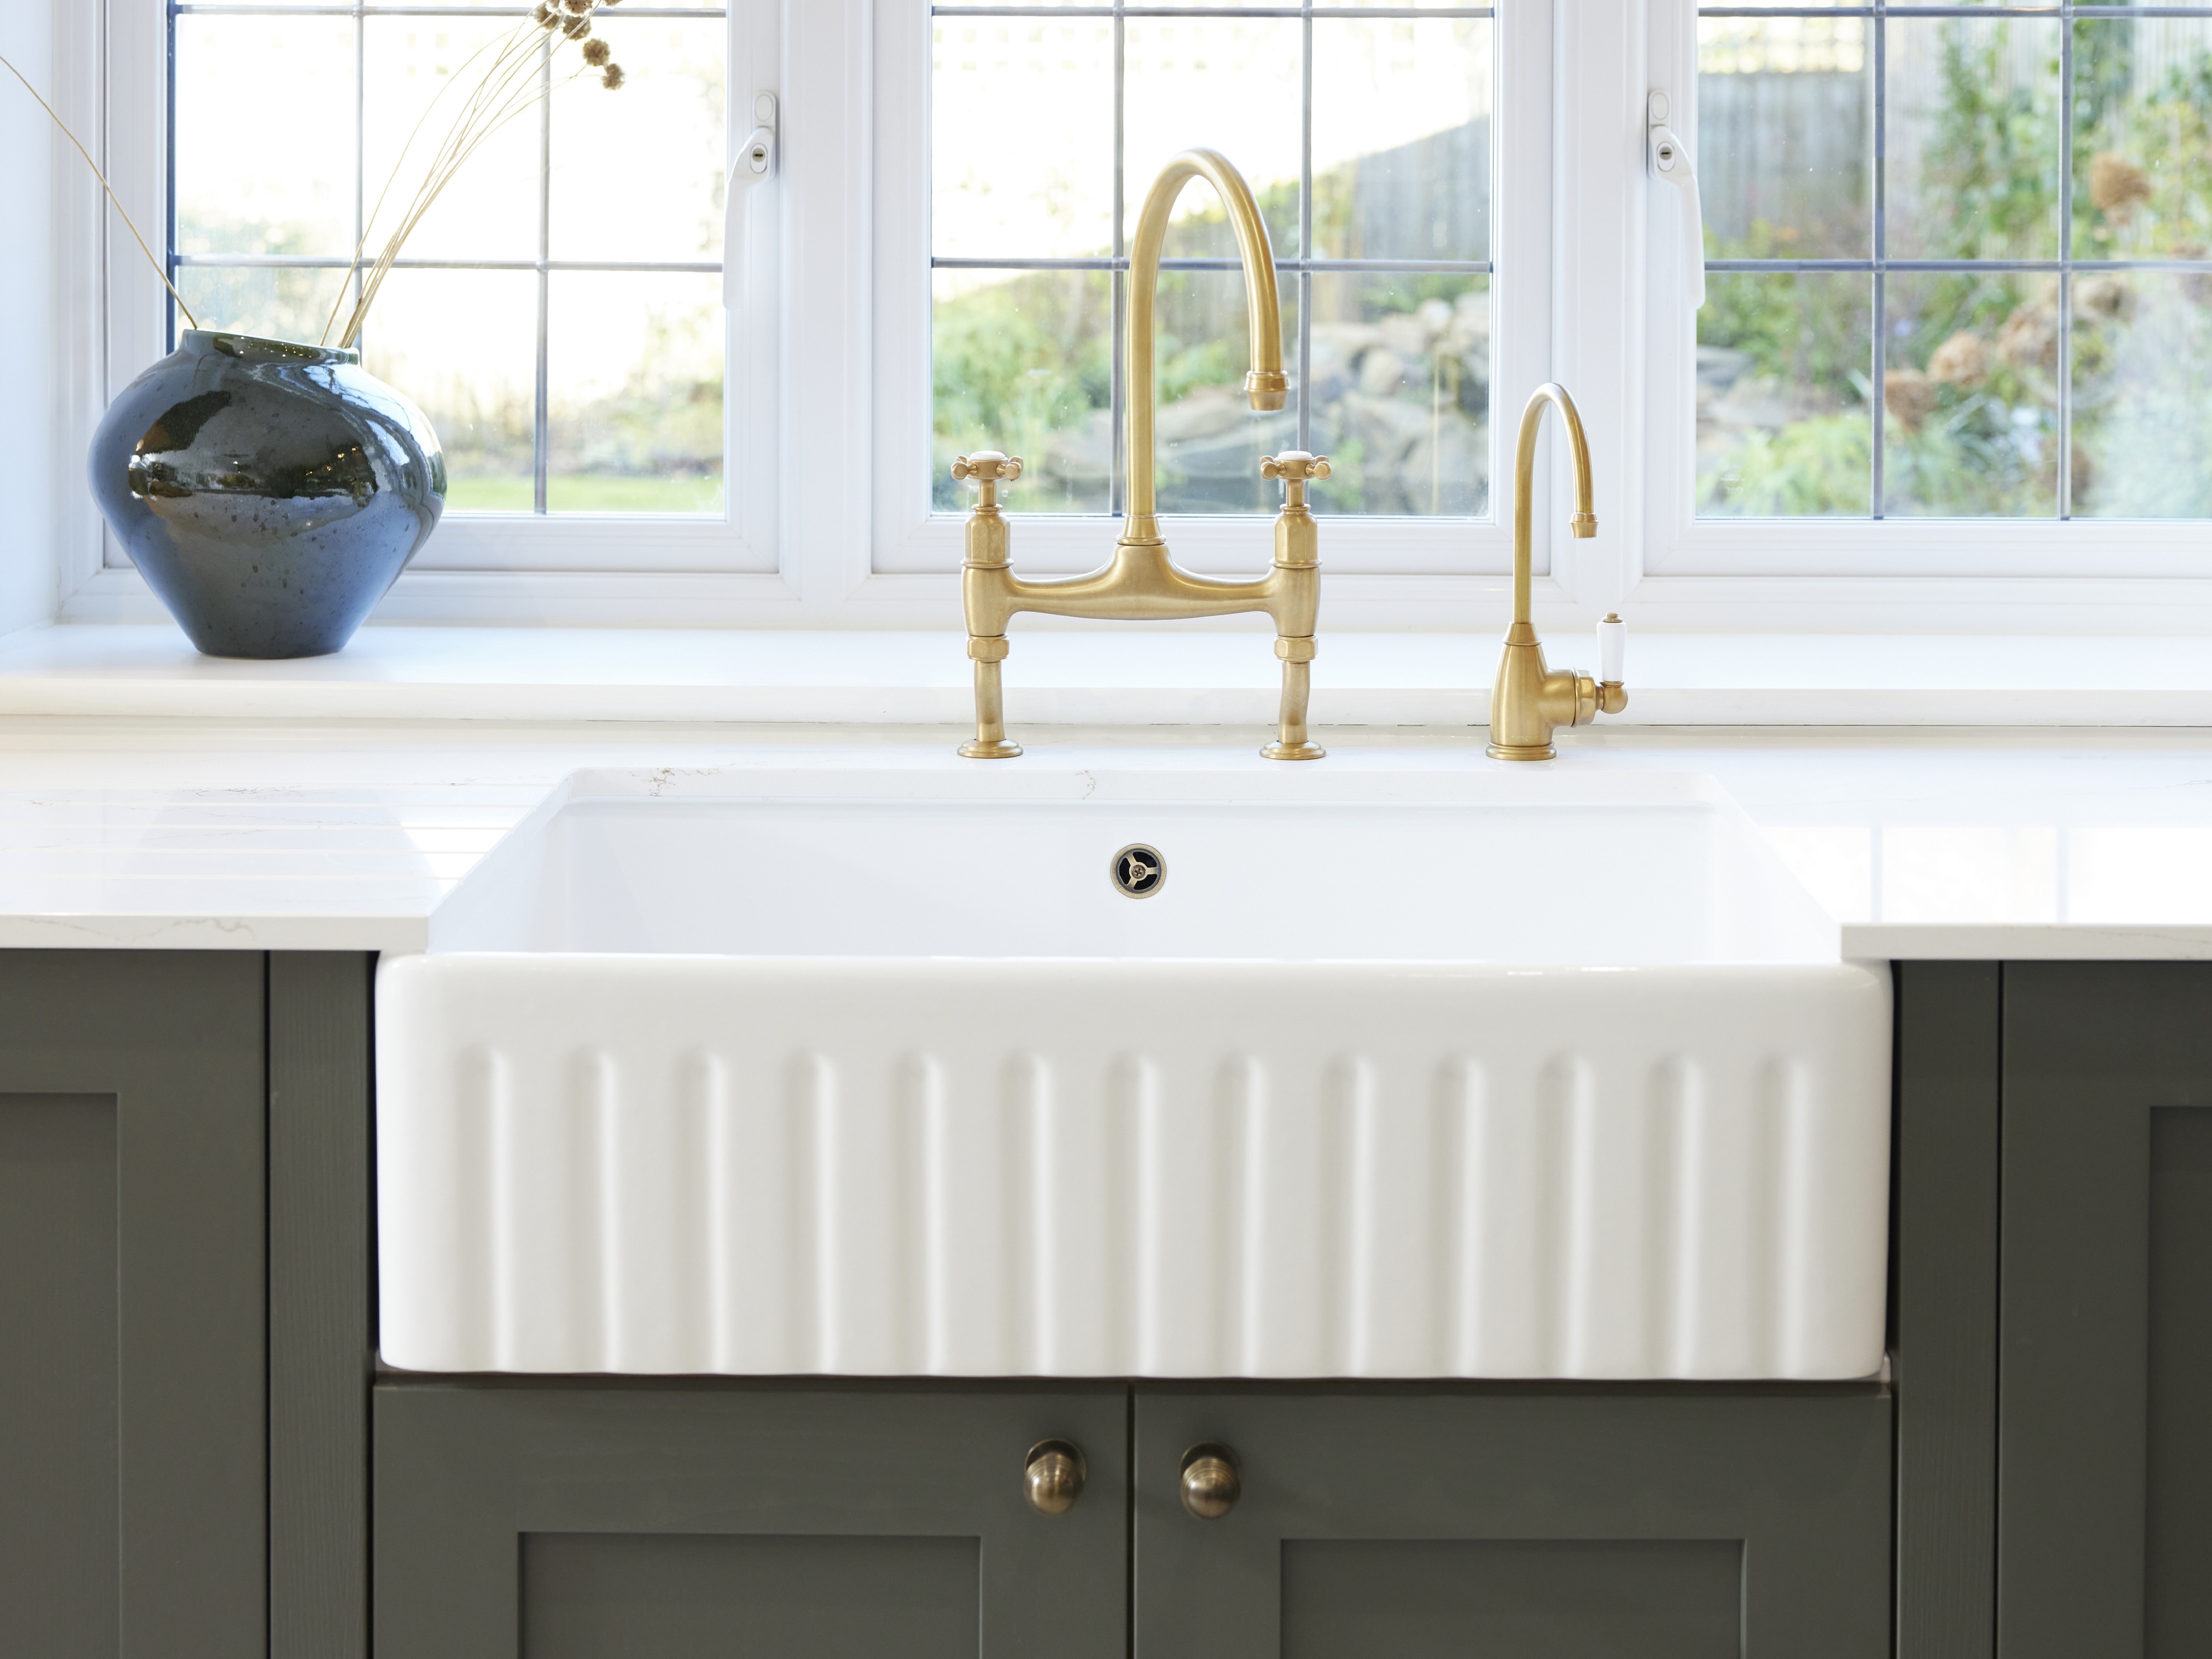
[2104, 1422]
[1943, 1307]
[1712, 1523]
[581, 1522]
[133, 1475]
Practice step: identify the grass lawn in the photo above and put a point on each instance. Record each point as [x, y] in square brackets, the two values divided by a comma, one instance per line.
[587, 495]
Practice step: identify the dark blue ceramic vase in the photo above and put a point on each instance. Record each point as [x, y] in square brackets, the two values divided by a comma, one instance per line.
[269, 493]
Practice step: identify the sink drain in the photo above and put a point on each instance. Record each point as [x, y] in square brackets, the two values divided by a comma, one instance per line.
[1140, 870]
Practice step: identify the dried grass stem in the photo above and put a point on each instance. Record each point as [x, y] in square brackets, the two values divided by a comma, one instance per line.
[55, 117]
[517, 78]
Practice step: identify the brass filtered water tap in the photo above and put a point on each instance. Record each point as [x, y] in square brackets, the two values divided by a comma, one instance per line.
[1527, 700]
[1141, 582]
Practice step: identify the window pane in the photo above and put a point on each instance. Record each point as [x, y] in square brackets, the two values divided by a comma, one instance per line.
[420, 70]
[1970, 390]
[2142, 143]
[2005, 393]
[1021, 366]
[1194, 5]
[268, 108]
[277, 304]
[2143, 422]
[1030, 362]
[1401, 393]
[1785, 137]
[1785, 428]
[464, 345]
[1973, 112]
[1211, 440]
[238, 191]
[636, 374]
[1050, 195]
[1401, 140]
[638, 174]
[1236, 87]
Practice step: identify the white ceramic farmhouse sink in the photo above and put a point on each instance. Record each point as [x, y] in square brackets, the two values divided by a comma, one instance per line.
[1472, 1075]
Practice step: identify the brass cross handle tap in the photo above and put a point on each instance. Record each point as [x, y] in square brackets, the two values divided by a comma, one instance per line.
[1528, 700]
[1295, 467]
[1141, 582]
[988, 468]
[985, 561]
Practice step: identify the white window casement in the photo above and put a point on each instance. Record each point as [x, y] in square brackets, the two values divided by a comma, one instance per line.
[1400, 154]
[612, 428]
[937, 265]
[1950, 373]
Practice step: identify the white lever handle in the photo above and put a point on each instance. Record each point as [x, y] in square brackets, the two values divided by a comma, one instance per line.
[1671, 163]
[1611, 650]
[754, 163]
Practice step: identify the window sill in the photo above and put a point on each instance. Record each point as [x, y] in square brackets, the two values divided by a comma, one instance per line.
[1116, 676]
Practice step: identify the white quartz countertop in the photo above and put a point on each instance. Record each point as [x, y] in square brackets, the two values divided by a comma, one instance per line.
[1924, 842]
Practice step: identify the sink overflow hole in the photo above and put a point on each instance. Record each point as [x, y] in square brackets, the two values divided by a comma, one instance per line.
[1139, 871]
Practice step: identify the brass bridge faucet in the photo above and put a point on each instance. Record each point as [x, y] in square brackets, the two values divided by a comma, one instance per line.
[1140, 582]
[1528, 700]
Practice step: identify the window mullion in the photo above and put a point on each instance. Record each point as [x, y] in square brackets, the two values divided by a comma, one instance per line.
[1117, 368]
[1306, 237]
[541, 422]
[2066, 261]
[360, 144]
[1881, 342]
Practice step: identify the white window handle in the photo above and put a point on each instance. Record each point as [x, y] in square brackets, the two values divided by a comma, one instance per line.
[1670, 164]
[754, 162]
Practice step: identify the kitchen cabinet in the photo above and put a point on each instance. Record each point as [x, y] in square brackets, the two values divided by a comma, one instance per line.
[184, 1329]
[576, 1521]
[1522, 1523]
[805, 1522]
[132, 1473]
[2053, 1309]
[2105, 1440]
[187, 1355]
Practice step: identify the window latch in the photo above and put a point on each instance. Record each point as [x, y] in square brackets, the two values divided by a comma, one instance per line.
[1670, 164]
[755, 161]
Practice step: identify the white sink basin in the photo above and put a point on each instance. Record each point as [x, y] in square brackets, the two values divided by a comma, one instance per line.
[1478, 1075]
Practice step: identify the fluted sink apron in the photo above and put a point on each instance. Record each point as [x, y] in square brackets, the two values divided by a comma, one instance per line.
[885, 1075]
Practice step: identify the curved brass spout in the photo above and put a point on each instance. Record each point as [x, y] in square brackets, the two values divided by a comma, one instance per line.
[1584, 522]
[1266, 386]
[1527, 700]
[1140, 582]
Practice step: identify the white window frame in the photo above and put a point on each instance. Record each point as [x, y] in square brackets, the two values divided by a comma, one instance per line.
[509, 567]
[1911, 574]
[823, 475]
[823, 466]
[1369, 562]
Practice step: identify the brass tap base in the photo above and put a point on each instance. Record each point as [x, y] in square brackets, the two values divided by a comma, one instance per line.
[1522, 751]
[990, 749]
[1292, 751]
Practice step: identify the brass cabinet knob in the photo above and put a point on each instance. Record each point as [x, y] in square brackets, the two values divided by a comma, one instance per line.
[1211, 1483]
[1053, 1478]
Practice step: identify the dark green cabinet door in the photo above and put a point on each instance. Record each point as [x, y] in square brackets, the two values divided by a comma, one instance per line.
[565, 1522]
[1516, 1524]
[2105, 1421]
[132, 1478]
